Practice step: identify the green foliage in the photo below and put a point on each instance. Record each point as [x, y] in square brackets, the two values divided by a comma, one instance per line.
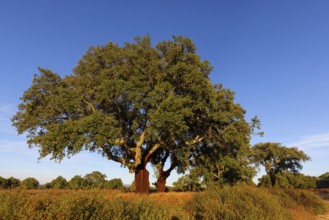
[78, 182]
[289, 180]
[118, 99]
[292, 199]
[30, 183]
[59, 183]
[324, 176]
[276, 158]
[323, 181]
[9, 183]
[246, 202]
[113, 184]
[136, 104]
[2, 182]
[95, 179]
[243, 202]
[224, 155]
[188, 182]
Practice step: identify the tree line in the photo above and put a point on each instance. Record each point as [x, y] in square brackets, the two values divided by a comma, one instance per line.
[139, 104]
[94, 180]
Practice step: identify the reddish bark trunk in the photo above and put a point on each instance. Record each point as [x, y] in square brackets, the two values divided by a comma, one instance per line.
[161, 184]
[142, 183]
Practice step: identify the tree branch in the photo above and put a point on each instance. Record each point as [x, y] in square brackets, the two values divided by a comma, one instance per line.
[150, 152]
[90, 105]
[196, 140]
[171, 168]
[138, 149]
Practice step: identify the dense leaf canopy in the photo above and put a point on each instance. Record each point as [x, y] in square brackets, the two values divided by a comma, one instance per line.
[125, 102]
[136, 104]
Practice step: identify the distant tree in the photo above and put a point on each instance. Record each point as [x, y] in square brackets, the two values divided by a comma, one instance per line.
[59, 183]
[12, 182]
[30, 183]
[323, 181]
[277, 158]
[78, 182]
[95, 179]
[3, 182]
[324, 176]
[47, 185]
[188, 182]
[113, 184]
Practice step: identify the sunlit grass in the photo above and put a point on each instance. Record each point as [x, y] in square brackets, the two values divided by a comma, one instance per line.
[242, 202]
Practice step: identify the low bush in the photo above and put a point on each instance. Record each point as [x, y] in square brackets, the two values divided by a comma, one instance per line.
[243, 202]
[90, 204]
[292, 198]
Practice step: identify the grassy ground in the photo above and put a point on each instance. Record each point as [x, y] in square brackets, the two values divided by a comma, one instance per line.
[242, 202]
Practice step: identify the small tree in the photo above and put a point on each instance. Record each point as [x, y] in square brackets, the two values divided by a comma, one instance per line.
[30, 183]
[323, 181]
[59, 183]
[78, 182]
[277, 158]
[114, 184]
[95, 179]
[3, 182]
[11, 183]
[188, 183]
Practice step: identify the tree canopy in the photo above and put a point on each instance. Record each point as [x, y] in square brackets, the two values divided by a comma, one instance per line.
[134, 104]
[29, 183]
[59, 183]
[95, 179]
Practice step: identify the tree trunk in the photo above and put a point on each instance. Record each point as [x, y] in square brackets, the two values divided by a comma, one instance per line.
[142, 183]
[161, 183]
[273, 179]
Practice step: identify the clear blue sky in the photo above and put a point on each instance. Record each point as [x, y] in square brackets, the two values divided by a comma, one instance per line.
[274, 54]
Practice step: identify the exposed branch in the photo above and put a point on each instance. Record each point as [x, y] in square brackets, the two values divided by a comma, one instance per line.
[196, 140]
[121, 160]
[90, 105]
[150, 152]
[138, 150]
[119, 141]
[164, 159]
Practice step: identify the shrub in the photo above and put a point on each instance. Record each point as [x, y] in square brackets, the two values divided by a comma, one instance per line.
[113, 184]
[78, 182]
[239, 202]
[59, 183]
[91, 204]
[293, 198]
[30, 183]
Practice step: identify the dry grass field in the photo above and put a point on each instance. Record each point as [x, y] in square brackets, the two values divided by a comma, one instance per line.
[242, 202]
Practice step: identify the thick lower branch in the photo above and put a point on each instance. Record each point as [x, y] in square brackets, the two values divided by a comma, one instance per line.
[150, 152]
[138, 150]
